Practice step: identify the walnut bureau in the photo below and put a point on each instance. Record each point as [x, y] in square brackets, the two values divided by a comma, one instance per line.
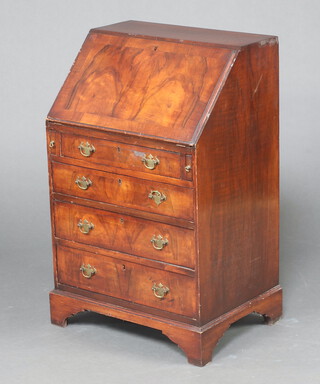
[163, 169]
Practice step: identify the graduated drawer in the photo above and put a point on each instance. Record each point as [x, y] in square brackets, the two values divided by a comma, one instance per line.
[122, 190]
[123, 233]
[119, 155]
[152, 287]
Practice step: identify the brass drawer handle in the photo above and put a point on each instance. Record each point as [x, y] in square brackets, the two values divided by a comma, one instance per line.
[86, 149]
[83, 182]
[159, 242]
[150, 162]
[87, 271]
[85, 226]
[157, 197]
[160, 290]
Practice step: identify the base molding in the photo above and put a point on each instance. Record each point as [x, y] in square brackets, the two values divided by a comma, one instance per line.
[197, 343]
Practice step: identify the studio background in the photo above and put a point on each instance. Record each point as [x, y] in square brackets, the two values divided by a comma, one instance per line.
[39, 41]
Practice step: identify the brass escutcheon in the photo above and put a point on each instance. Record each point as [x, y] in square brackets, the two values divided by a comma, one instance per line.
[86, 149]
[150, 162]
[160, 290]
[157, 197]
[85, 226]
[187, 168]
[52, 144]
[159, 242]
[87, 271]
[83, 182]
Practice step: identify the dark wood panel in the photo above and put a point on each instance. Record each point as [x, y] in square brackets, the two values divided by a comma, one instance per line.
[237, 186]
[124, 191]
[126, 234]
[127, 280]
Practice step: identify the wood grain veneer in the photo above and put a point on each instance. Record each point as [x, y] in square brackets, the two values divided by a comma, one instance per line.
[203, 105]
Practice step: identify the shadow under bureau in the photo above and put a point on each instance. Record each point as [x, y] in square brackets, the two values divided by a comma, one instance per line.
[163, 168]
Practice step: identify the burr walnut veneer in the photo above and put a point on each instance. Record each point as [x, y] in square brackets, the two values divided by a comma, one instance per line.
[163, 168]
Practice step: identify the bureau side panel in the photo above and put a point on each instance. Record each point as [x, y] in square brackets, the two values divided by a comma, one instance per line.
[237, 186]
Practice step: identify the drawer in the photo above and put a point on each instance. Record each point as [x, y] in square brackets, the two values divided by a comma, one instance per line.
[121, 155]
[122, 190]
[127, 234]
[128, 281]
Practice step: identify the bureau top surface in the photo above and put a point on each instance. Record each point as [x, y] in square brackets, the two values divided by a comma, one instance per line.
[151, 80]
[183, 34]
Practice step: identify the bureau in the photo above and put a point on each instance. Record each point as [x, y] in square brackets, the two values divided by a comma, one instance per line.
[163, 169]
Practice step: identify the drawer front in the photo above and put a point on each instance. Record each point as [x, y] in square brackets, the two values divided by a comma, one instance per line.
[127, 234]
[121, 155]
[129, 281]
[125, 191]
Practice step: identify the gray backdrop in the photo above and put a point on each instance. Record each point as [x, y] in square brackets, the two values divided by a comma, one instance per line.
[39, 41]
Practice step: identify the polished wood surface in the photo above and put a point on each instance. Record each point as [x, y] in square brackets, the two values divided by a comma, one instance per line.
[206, 104]
[167, 151]
[182, 223]
[125, 234]
[196, 342]
[238, 208]
[76, 128]
[164, 94]
[153, 263]
[120, 155]
[125, 191]
[126, 280]
[185, 35]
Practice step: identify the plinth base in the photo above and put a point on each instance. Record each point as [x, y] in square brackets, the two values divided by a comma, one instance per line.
[197, 343]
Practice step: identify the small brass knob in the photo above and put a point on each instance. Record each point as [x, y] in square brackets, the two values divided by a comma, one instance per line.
[160, 291]
[86, 149]
[159, 242]
[87, 271]
[83, 182]
[85, 226]
[157, 197]
[150, 162]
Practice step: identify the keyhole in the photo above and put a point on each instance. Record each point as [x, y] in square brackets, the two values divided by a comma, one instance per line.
[119, 181]
[123, 267]
[155, 48]
[121, 220]
[118, 149]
